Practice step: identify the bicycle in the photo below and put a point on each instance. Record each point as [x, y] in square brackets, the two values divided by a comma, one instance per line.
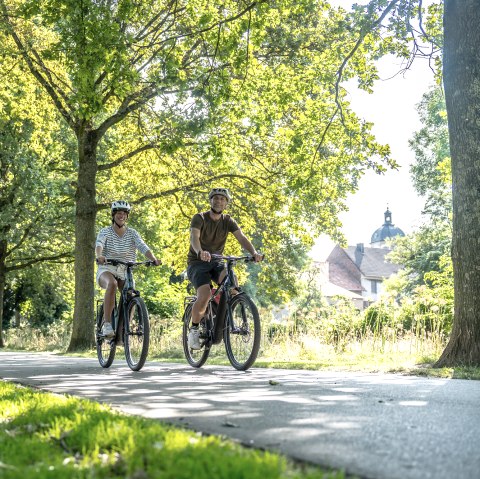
[231, 317]
[129, 321]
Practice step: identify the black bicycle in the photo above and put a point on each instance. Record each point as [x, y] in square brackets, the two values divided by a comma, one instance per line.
[129, 321]
[231, 315]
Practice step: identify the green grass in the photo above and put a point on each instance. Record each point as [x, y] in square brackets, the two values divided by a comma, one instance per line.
[405, 354]
[52, 436]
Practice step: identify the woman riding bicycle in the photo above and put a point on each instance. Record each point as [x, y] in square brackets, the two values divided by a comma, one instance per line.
[117, 242]
[208, 235]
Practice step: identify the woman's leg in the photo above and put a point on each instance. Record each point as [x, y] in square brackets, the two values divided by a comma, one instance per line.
[108, 282]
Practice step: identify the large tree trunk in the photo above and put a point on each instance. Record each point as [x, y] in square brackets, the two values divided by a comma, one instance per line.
[85, 214]
[3, 251]
[462, 94]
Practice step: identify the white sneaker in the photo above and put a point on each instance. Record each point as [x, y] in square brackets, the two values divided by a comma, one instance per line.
[107, 330]
[194, 338]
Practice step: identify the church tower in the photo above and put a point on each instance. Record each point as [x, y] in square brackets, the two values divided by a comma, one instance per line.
[387, 230]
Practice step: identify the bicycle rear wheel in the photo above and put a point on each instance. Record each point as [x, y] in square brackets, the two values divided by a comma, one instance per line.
[242, 335]
[137, 334]
[195, 357]
[106, 347]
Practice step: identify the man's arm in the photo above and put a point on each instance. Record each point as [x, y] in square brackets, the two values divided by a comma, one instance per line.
[246, 244]
[197, 247]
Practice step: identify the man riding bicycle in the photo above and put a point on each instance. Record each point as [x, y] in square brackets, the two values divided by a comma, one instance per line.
[208, 235]
[117, 242]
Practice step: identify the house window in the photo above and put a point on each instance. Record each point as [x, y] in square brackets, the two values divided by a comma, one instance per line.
[374, 286]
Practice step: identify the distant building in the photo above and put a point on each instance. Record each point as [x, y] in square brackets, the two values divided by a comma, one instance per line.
[386, 231]
[361, 270]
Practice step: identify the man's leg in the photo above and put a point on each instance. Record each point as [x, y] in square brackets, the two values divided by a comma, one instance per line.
[200, 305]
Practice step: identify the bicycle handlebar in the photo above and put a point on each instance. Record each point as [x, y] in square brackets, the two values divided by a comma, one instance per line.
[247, 259]
[116, 262]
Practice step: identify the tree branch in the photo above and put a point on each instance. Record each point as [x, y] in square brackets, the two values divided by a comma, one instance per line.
[125, 157]
[178, 189]
[363, 33]
[41, 259]
[53, 90]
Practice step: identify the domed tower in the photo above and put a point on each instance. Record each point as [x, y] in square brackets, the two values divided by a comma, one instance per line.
[388, 230]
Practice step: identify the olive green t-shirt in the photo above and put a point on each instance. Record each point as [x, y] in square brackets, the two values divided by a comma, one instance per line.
[213, 234]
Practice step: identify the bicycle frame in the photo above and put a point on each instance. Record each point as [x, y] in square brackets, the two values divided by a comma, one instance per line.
[221, 314]
[128, 292]
[129, 321]
[235, 321]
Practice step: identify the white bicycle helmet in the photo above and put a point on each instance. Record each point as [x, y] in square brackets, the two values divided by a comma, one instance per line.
[220, 191]
[120, 205]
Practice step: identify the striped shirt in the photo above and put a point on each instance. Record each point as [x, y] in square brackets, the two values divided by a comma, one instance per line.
[122, 248]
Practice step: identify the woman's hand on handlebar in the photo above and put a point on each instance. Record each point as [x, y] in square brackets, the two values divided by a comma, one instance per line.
[101, 259]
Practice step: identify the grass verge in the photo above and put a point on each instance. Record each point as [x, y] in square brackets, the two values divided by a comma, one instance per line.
[406, 354]
[52, 436]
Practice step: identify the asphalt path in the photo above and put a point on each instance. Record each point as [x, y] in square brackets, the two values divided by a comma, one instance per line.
[376, 426]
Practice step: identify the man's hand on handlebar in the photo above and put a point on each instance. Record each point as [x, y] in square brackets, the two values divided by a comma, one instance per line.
[204, 255]
[258, 257]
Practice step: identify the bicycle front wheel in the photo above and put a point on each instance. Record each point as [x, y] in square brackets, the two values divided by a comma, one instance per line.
[106, 347]
[195, 357]
[242, 334]
[137, 334]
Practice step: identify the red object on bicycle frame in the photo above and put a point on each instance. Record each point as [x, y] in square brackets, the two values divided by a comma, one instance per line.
[217, 297]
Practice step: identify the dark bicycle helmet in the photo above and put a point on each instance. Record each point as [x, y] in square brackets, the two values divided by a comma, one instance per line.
[220, 191]
[120, 205]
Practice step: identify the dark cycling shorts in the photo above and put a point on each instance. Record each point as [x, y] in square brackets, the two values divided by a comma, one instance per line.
[202, 272]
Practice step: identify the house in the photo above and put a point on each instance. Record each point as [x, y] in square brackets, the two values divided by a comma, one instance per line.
[361, 269]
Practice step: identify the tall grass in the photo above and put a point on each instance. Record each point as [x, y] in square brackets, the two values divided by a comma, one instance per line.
[337, 337]
[52, 338]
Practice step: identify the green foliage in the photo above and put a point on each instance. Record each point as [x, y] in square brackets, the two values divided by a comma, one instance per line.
[431, 172]
[266, 124]
[420, 254]
[426, 310]
[424, 253]
[167, 99]
[44, 304]
[42, 295]
[162, 297]
[378, 317]
[424, 288]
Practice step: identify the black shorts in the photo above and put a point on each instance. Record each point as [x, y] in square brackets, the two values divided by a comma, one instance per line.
[202, 272]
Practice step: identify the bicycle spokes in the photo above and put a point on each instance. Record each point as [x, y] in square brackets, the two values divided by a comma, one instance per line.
[242, 336]
[106, 347]
[137, 334]
[195, 357]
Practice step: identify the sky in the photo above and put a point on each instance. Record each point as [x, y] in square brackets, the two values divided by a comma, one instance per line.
[392, 109]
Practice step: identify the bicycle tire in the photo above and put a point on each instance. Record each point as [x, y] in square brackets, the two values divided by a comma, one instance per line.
[242, 335]
[195, 357]
[106, 347]
[137, 334]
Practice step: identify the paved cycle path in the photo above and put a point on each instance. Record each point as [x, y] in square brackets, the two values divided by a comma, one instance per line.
[376, 426]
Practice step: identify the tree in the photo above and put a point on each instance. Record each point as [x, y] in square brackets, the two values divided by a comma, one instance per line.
[459, 37]
[173, 87]
[461, 76]
[29, 192]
